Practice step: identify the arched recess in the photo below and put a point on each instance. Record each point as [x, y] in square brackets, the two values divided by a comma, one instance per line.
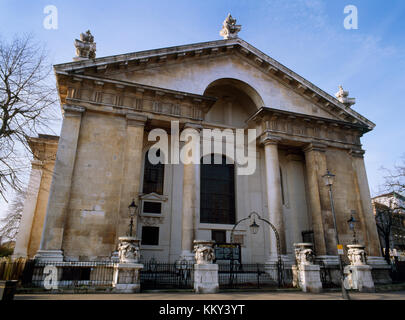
[237, 101]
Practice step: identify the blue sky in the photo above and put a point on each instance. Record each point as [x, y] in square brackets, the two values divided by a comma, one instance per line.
[307, 36]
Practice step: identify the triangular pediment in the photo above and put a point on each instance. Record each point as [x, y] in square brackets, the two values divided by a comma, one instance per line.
[192, 68]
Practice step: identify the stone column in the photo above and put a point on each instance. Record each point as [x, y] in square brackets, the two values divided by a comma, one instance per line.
[131, 177]
[315, 159]
[30, 203]
[52, 236]
[366, 214]
[191, 195]
[274, 200]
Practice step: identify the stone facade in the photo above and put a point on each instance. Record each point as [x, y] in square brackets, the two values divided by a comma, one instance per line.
[111, 104]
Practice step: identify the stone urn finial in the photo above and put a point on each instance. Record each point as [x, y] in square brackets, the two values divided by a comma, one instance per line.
[304, 253]
[204, 251]
[85, 47]
[357, 254]
[343, 97]
[229, 28]
[128, 250]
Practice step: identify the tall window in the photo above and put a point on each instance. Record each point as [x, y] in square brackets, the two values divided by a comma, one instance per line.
[153, 176]
[217, 193]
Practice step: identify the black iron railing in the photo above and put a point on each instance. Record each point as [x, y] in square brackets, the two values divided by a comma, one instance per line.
[239, 276]
[160, 275]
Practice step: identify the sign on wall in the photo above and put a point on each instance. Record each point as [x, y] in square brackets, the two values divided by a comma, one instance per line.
[227, 252]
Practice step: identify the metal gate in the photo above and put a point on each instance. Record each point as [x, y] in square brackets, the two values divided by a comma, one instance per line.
[158, 275]
[326, 276]
[250, 276]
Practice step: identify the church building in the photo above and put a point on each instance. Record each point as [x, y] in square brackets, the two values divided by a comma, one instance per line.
[83, 182]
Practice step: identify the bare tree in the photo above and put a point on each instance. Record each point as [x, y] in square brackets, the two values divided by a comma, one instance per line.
[27, 95]
[383, 220]
[395, 178]
[9, 225]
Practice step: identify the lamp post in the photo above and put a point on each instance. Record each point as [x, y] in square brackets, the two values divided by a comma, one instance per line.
[329, 179]
[351, 223]
[132, 208]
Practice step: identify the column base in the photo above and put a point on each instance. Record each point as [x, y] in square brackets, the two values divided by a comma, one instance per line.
[49, 255]
[359, 278]
[206, 278]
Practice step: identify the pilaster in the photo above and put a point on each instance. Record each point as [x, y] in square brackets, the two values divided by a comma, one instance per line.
[131, 175]
[30, 203]
[371, 238]
[315, 159]
[59, 196]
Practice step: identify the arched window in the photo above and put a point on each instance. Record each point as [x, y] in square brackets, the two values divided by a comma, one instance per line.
[217, 204]
[153, 176]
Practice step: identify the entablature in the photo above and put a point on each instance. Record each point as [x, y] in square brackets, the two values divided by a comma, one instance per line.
[120, 95]
[300, 129]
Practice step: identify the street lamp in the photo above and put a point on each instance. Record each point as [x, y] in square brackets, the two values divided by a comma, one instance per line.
[351, 223]
[329, 178]
[254, 227]
[132, 209]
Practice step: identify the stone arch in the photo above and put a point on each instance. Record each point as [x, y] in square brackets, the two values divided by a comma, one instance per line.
[236, 102]
[240, 85]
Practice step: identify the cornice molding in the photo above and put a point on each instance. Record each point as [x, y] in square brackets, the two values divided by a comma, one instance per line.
[261, 60]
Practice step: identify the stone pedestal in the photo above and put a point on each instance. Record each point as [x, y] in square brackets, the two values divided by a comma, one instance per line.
[309, 278]
[306, 274]
[358, 273]
[205, 272]
[126, 273]
[359, 278]
[206, 278]
[126, 277]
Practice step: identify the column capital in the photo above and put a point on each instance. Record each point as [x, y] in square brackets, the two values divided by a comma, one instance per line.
[357, 153]
[72, 110]
[315, 147]
[135, 119]
[267, 138]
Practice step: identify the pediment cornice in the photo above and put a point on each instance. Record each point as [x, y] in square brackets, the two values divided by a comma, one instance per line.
[262, 61]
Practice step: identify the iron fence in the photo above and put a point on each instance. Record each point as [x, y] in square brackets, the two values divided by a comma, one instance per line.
[398, 271]
[74, 274]
[160, 275]
[240, 276]
[327, 276]
[12, 269]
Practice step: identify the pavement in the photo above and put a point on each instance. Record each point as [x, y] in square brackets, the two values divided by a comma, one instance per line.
[391, 295]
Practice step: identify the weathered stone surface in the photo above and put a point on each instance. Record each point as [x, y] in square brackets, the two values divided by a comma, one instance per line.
[113, 103]
[206, 278]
